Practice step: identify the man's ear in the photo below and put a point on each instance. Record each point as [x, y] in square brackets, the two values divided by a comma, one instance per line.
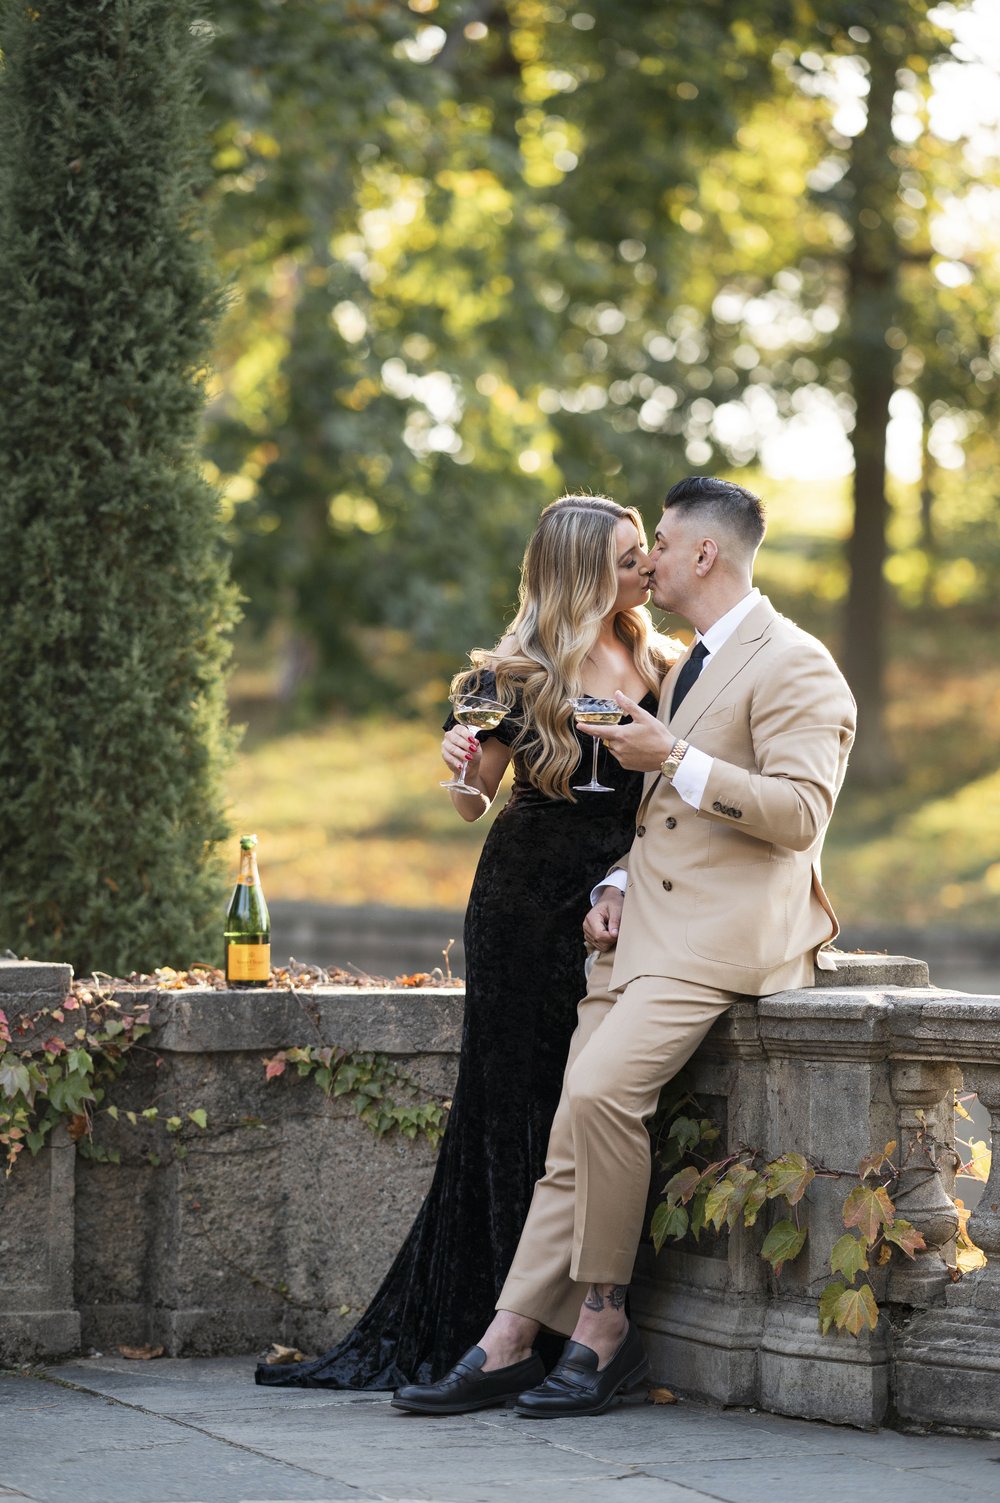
[708, 552]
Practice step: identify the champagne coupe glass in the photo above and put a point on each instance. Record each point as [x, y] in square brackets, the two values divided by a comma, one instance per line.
[591, 711]
[479, 714]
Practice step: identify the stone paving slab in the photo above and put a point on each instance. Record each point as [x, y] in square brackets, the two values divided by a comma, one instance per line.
[106, 1430]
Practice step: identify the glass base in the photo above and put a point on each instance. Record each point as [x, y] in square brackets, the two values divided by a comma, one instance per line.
[591, 788]
[458, 787]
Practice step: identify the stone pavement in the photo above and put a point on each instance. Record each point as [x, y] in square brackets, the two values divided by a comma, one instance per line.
[107, 1430]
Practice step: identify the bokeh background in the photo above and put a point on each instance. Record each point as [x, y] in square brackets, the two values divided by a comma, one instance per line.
[482, 253]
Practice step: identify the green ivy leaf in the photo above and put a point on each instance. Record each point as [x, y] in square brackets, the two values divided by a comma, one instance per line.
[828, 1305]
[668, 1221]
[14, 1078]
[790, 1176]
[783, 1243]
[686, 1131]
[199, 1117]
[855, 1310]
[848, 1256]
[754, 1201]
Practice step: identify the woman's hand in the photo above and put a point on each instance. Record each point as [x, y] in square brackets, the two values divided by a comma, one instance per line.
[461, 749]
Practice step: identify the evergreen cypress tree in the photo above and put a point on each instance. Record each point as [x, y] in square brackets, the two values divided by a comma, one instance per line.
[114, 586]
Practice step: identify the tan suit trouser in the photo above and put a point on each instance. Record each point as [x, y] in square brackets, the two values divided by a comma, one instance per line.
[587, 1211]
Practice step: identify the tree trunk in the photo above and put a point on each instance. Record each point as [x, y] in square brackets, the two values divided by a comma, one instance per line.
[872, 292]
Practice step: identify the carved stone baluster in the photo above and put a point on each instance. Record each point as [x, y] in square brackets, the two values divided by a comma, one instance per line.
[984, 1223]
[918, 1089]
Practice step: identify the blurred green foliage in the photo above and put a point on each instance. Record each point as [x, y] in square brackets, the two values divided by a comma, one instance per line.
[483, 252]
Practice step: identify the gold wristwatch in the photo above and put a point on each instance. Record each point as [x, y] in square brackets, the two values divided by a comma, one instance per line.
[670, 764]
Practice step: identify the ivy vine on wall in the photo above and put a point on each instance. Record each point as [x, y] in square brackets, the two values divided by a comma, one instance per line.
[723, 1192]
[58, 1064]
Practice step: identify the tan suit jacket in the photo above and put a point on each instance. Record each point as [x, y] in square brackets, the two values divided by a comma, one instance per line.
[729, 894]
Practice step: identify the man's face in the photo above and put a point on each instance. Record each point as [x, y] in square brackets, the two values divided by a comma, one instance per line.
[672, 560]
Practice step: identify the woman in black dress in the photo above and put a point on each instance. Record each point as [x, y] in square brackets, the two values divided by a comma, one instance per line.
[582, 628]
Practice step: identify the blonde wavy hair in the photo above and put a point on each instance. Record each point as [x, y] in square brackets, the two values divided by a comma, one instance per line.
[569, 582]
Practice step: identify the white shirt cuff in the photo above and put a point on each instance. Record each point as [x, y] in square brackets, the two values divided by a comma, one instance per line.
[691, 777]
[618, 878]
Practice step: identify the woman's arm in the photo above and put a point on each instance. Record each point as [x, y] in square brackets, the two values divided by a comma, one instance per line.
[484, 769]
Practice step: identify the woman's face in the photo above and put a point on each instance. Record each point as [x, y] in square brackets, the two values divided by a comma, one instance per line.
[633, 585]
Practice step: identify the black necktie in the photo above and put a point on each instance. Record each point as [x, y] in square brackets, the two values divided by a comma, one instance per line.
[687, 675]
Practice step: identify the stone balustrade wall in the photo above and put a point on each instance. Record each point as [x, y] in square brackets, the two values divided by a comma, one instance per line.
[279, 1220]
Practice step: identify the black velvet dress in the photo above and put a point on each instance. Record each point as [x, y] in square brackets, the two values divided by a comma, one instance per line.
[524, 966]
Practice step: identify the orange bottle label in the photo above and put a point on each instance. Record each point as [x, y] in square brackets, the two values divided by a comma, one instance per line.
[248, 962]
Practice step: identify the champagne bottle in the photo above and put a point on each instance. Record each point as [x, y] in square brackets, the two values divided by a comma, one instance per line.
[248, 924]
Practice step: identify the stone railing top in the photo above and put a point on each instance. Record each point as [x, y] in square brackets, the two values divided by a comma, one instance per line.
[36, 981]
[863, 968]
[869, 1005]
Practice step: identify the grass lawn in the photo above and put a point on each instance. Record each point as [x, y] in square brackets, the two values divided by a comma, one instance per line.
[349, 811]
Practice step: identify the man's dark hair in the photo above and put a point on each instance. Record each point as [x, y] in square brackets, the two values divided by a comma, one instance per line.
[736, 508]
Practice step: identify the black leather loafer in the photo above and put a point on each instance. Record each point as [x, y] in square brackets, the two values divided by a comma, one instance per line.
[467, 1387]
[575, 1387]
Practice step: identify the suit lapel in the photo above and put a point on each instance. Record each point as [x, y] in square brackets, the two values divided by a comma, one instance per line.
[723, 666]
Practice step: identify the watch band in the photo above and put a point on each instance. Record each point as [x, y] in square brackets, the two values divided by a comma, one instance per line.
[670, 764]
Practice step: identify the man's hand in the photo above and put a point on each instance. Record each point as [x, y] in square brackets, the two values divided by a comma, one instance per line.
[600, 927]
[641, 746]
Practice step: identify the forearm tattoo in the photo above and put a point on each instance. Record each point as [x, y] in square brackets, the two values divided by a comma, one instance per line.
[615, 1297]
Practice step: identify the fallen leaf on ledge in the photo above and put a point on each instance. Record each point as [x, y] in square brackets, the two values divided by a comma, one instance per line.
[140, 1353]
[660, 1396]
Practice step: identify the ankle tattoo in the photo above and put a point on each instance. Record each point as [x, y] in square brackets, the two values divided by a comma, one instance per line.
[614, 1297]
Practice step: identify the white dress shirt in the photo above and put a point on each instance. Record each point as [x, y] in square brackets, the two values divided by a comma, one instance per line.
[691, 777]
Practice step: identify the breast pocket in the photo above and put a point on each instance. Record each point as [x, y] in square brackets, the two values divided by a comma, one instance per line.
[714, 719]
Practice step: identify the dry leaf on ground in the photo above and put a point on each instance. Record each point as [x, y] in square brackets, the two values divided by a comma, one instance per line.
[276, 1353]
[140, 1353]
[661, 1396]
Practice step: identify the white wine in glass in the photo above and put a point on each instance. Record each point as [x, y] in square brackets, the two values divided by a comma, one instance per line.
[479, 714]
[590, 711]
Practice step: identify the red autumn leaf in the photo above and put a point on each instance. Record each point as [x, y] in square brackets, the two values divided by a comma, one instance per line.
[274, 1067]
[78, 1126]
[869, 1210]
[904, 1235]
[682, 1185]
[875, 1161]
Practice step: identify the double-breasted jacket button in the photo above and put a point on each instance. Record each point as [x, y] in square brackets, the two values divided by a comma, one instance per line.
[668, 886]
[718, 807]
[671, 822]
[737, 813]
[641, 830]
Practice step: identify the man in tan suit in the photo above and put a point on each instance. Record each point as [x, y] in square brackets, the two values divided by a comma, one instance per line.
[720, 897]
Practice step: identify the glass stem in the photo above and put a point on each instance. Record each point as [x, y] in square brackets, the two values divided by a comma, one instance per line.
[465, 766]
[593, 770]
